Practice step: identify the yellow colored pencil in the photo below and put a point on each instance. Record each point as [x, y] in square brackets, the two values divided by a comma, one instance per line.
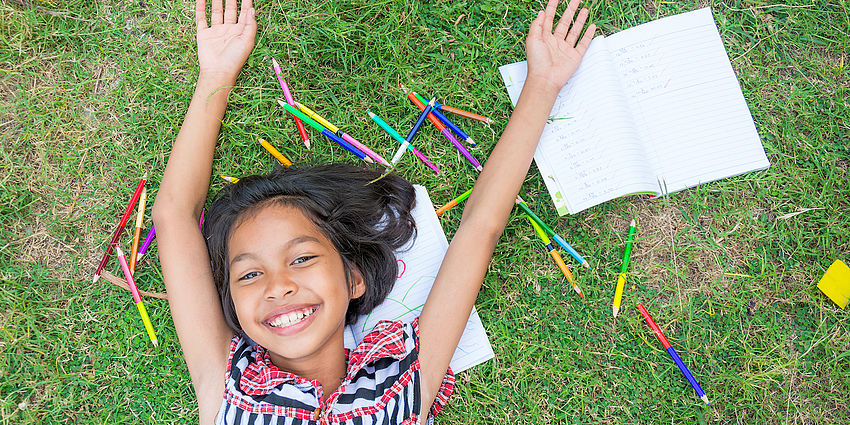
[556, 256]
[283, 160]
[621, 278]
[230, 179]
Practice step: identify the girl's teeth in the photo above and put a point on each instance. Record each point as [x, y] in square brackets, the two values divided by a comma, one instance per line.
[290, 319]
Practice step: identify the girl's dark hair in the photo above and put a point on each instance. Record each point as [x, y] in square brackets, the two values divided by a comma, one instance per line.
[365, 221]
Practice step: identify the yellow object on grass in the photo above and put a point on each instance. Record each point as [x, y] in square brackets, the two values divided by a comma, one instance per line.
[835, 284]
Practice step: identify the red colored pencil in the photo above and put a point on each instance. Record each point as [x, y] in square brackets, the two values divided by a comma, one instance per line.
[121, 225]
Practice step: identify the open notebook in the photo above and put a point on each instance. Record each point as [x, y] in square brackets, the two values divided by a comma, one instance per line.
[418, 264]
[652, 109]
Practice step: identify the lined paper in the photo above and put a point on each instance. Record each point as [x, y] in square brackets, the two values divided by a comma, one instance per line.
[418, 265]
[655, 108]
[686, 100]
[590, 148]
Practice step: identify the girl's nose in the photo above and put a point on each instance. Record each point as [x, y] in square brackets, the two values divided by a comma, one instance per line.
[281, 285]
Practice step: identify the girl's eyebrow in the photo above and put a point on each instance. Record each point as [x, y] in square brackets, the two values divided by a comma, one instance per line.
[292, 242]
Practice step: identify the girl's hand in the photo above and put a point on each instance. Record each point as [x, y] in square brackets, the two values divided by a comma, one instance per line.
[554, 57]
[224, 44]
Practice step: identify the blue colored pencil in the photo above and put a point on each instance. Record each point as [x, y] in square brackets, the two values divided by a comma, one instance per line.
[440, 116]
[419, 121]
[672, 352]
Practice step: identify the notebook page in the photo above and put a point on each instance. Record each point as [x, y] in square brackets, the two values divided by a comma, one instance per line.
[590, 150]
[686, 100]
[418, 265]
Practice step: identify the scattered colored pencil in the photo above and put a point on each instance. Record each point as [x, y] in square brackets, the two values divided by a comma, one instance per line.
[275, 153]
[288, 96]
[621, 278]
[117, 234]
[136, 297]
[347, 137]
[326, 132]
[445, 120]
[446, 132]
[394, 134]
[556, 256]
[672, 352]
[418, 124]
[146, 243]
[139, 218]
[462, 113]
[555, 236]
[454, 202]
[230, 179]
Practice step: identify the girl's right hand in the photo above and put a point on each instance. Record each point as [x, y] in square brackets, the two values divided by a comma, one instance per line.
[224, 44]
[553, 57]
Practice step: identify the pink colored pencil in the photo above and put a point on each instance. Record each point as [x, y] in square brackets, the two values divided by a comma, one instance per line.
[291, 102]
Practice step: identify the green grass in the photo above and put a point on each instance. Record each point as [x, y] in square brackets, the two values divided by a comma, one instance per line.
[92, 95]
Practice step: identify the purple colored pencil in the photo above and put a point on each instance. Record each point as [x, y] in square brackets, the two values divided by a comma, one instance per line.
[147, 243]
[459, 146]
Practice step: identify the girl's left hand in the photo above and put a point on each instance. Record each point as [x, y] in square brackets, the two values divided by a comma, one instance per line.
[224, 44]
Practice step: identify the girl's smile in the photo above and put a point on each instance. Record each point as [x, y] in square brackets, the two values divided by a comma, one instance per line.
[292, 319]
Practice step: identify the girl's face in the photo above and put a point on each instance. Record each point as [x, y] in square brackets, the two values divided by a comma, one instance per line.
[288, 284]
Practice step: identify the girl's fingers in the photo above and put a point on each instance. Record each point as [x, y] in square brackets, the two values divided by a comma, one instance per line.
[588, 37]
[247, 5]
[250, 24]
[201, 13]
[216, 13]
[564, 23]
[230, 12]
[550, 16]
[535, 30]
[575, 31]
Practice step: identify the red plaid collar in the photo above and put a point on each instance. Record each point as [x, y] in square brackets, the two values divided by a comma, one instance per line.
[261, 376]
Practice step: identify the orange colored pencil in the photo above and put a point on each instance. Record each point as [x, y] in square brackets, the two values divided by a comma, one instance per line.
[463, 113]
[139, 218]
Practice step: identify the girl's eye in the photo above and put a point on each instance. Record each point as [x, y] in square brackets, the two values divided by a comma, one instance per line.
[250, 275]
[304, 259]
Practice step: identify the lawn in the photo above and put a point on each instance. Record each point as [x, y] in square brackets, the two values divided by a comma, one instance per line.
[92, 94]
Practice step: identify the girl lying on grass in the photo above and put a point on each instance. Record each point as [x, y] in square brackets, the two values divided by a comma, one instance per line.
[261, 297]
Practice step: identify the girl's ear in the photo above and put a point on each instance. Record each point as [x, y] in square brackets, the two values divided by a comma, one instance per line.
[358, 285]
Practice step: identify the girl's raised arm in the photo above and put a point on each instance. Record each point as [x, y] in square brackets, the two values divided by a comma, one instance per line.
[223, 47]
[552, 59]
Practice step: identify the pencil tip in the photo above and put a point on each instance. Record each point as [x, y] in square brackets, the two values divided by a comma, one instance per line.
[616, 311]
[586, 264]
[633, 223]
[369, 160]
[479, 168]
[96, 277]
[280, 102]
[471, 142]
[705, 399]
[118, 250]
[155, 343]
